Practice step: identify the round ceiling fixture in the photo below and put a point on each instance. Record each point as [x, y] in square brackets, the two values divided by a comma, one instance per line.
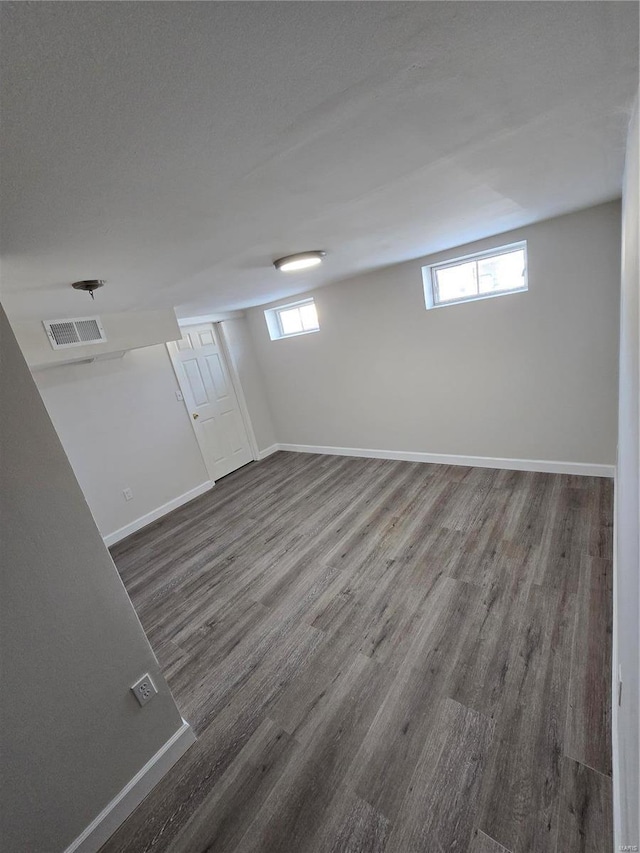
[89, 285]
[301, 261]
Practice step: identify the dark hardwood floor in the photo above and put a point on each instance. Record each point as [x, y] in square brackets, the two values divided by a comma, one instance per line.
[381, 656]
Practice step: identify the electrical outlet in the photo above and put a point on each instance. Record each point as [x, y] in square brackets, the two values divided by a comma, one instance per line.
[128, 494]
[144, 689]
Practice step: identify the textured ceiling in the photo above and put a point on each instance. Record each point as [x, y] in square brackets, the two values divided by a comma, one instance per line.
[175, 149]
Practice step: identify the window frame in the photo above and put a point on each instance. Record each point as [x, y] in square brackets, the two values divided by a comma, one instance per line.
[430, 282]
[274, 321]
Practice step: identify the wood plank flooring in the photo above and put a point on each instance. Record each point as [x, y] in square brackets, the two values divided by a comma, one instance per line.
[381, 657]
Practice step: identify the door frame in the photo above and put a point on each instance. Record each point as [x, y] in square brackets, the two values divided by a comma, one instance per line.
[232, 367]
[234, 376]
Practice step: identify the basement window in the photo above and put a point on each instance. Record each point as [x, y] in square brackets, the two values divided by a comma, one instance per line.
[479, 276]
[296, 318]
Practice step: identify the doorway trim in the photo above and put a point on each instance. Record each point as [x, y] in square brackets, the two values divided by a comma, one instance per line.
[237, 387]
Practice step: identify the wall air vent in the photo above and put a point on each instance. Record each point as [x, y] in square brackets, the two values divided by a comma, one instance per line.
[81, 331]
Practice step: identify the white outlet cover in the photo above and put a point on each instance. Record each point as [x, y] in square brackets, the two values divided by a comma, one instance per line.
[144, 689]
[128, 494]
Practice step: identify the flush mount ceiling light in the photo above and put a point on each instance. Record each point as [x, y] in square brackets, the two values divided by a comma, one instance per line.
[301, 261]
[88, 286]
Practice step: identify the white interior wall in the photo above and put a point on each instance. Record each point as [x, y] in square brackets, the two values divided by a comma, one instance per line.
[528, 376]
[72, 734]
[122, 426]
[626, 718]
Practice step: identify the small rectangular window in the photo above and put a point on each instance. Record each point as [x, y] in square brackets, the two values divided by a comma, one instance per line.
[480, 276]
[297, 318]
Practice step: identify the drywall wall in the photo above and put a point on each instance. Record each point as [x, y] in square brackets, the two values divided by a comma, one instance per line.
[124, 331]
[526, 376]
[72, 734]
[237, 338]
[626, 720]
[122, 427]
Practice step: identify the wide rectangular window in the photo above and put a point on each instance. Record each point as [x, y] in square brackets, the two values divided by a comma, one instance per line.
[296, 318]
[492, 273]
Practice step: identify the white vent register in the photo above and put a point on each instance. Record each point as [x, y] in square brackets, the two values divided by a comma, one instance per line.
[81, 331]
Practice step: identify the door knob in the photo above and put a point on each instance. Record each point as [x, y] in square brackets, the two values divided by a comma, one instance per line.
[195, 416]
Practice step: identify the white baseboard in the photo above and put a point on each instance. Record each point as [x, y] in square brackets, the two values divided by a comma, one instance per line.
[262, 454]
[157, 513]
[550, 467]
[133, 793]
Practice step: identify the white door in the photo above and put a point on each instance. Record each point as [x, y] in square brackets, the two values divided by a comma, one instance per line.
[210, 398]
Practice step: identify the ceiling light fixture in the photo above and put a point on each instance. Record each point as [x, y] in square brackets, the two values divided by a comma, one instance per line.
[301, 261]
[88, 286]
